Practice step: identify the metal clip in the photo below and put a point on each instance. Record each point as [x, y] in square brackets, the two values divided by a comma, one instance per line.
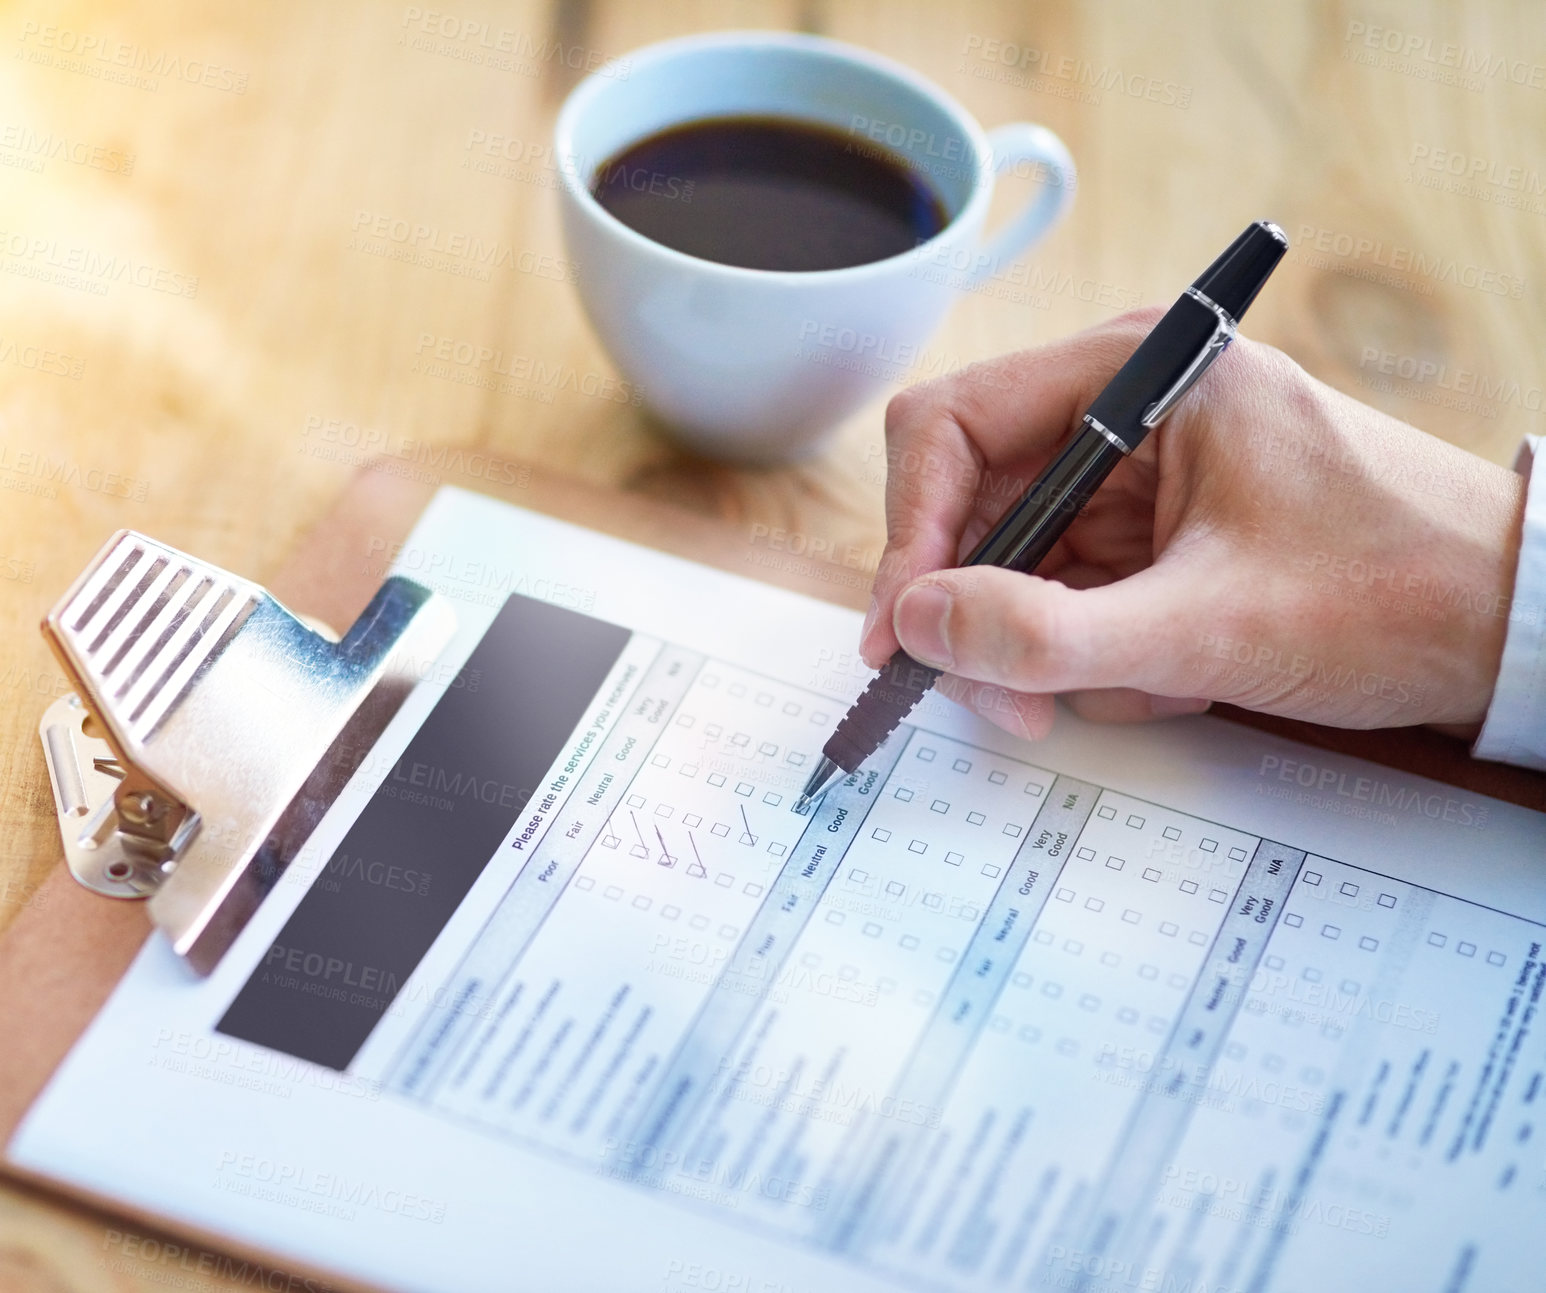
[1223, 334]
[211, 728]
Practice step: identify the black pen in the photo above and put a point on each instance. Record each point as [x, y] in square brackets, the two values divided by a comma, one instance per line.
[1190, 336]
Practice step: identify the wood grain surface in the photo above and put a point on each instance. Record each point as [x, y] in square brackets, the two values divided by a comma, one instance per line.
[199, 338]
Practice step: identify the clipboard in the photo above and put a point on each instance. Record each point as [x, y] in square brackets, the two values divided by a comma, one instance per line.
[61, 957]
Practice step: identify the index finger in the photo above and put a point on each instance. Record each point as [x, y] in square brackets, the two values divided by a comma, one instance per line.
[941, 436]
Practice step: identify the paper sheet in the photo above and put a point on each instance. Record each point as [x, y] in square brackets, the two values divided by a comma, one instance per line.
[562, 995]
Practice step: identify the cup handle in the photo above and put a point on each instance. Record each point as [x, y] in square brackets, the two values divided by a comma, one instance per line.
[1011, 144]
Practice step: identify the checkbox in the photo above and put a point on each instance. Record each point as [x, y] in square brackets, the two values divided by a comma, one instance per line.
[1108, 813]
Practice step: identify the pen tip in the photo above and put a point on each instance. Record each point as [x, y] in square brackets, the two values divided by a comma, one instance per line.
[802, 805]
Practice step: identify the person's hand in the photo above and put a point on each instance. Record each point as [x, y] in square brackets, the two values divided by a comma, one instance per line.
[1273, 543]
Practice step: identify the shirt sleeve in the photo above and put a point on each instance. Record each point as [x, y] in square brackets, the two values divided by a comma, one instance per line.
[1515, 728]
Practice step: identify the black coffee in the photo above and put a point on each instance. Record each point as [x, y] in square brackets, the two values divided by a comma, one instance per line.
[769, 193]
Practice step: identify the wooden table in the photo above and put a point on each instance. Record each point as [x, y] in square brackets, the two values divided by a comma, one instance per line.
[199, 338]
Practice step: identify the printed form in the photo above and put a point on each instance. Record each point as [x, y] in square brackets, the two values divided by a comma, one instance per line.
[562, 995]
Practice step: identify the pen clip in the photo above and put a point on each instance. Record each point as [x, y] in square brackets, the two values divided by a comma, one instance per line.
[1223, 334]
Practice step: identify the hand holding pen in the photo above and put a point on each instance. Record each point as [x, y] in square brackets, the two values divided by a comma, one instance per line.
[1229, 558]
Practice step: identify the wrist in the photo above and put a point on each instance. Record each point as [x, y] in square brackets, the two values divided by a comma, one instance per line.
[1497, 547]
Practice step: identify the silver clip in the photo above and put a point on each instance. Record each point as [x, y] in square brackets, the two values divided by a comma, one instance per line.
[211, 728]
[1223, 333]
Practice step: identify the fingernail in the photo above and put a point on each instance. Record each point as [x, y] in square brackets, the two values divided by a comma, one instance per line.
[1173, 706]
[1020, 704]
[870, 616]
[922, 613]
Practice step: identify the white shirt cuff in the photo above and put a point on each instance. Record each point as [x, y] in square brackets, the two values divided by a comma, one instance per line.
[1515, 729]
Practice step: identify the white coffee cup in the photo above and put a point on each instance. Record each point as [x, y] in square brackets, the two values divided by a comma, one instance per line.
[758, 366]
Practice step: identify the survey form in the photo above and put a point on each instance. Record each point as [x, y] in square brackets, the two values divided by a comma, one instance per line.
[562, 995]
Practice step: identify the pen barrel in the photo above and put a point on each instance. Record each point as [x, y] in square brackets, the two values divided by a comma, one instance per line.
[1153, 369]
[890, 697]
[1027, 532]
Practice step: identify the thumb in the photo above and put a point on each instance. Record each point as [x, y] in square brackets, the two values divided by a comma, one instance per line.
[1040, 636]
